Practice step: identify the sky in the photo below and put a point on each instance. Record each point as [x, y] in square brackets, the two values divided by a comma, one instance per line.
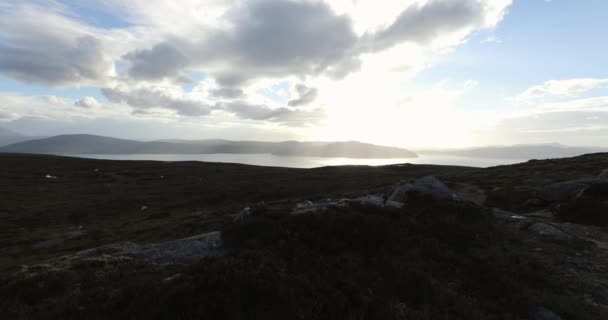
[409, 73]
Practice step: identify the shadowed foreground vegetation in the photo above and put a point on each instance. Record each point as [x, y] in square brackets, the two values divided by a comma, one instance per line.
[428, 260]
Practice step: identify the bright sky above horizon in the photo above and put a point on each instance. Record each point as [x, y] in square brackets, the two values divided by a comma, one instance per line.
[409, 73]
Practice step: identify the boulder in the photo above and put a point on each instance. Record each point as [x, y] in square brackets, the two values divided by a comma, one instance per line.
[589, 206]
[561, 192]
[603, 175]
[428, 186]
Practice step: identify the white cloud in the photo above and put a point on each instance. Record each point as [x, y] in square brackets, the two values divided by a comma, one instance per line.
[54, 108]
[88, 102]
[491, 39]
[561, 88]
[344, 61]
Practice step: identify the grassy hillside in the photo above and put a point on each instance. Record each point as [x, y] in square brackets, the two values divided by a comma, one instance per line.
[432, 259]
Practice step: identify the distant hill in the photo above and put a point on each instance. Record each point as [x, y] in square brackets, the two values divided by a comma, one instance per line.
[9, 137]
[91, 144]
[524, 151]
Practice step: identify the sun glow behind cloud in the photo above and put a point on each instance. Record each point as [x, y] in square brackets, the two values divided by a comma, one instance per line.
[273, 69]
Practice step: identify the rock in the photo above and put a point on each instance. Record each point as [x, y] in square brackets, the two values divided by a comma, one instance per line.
[561, 192]
[242, 214]
[315, 207]
[507, 216]
[541, 214]
[603, 175]
[427, 186]
[59, 239]
[203, 245]
[369, 201]
[547, 230]
[469, 192]
[195, 247]
[542, 313]
[304, 204]
[590, 206]
[394, 204]
[172, 278]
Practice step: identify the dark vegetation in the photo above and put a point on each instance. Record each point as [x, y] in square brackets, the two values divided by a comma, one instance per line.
[428, 260]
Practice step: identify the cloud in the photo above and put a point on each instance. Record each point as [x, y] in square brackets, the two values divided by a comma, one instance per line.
[87, 103]
[491, 39]
[306, 96]
[278, 38]
[7, 116]
[585, 127]
[238, 46]
[228, 93]
[150, 98]
[284, 116]
[561, 88]
[270, 38]
[423, 23]
[54, 108]
[41, 45]
[164, 60]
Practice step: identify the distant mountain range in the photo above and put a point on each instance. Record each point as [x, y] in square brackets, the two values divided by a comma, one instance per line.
[518, 152]
[9, 137]
[91, 144]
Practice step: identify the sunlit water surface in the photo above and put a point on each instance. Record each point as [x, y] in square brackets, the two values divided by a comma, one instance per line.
[306, 162]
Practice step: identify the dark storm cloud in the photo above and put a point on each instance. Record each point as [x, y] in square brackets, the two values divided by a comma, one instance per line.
[143, 98]
[306, 96]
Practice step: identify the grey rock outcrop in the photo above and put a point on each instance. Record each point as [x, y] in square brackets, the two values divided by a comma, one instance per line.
[203, 245]
[427, 186]
[369, 200]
